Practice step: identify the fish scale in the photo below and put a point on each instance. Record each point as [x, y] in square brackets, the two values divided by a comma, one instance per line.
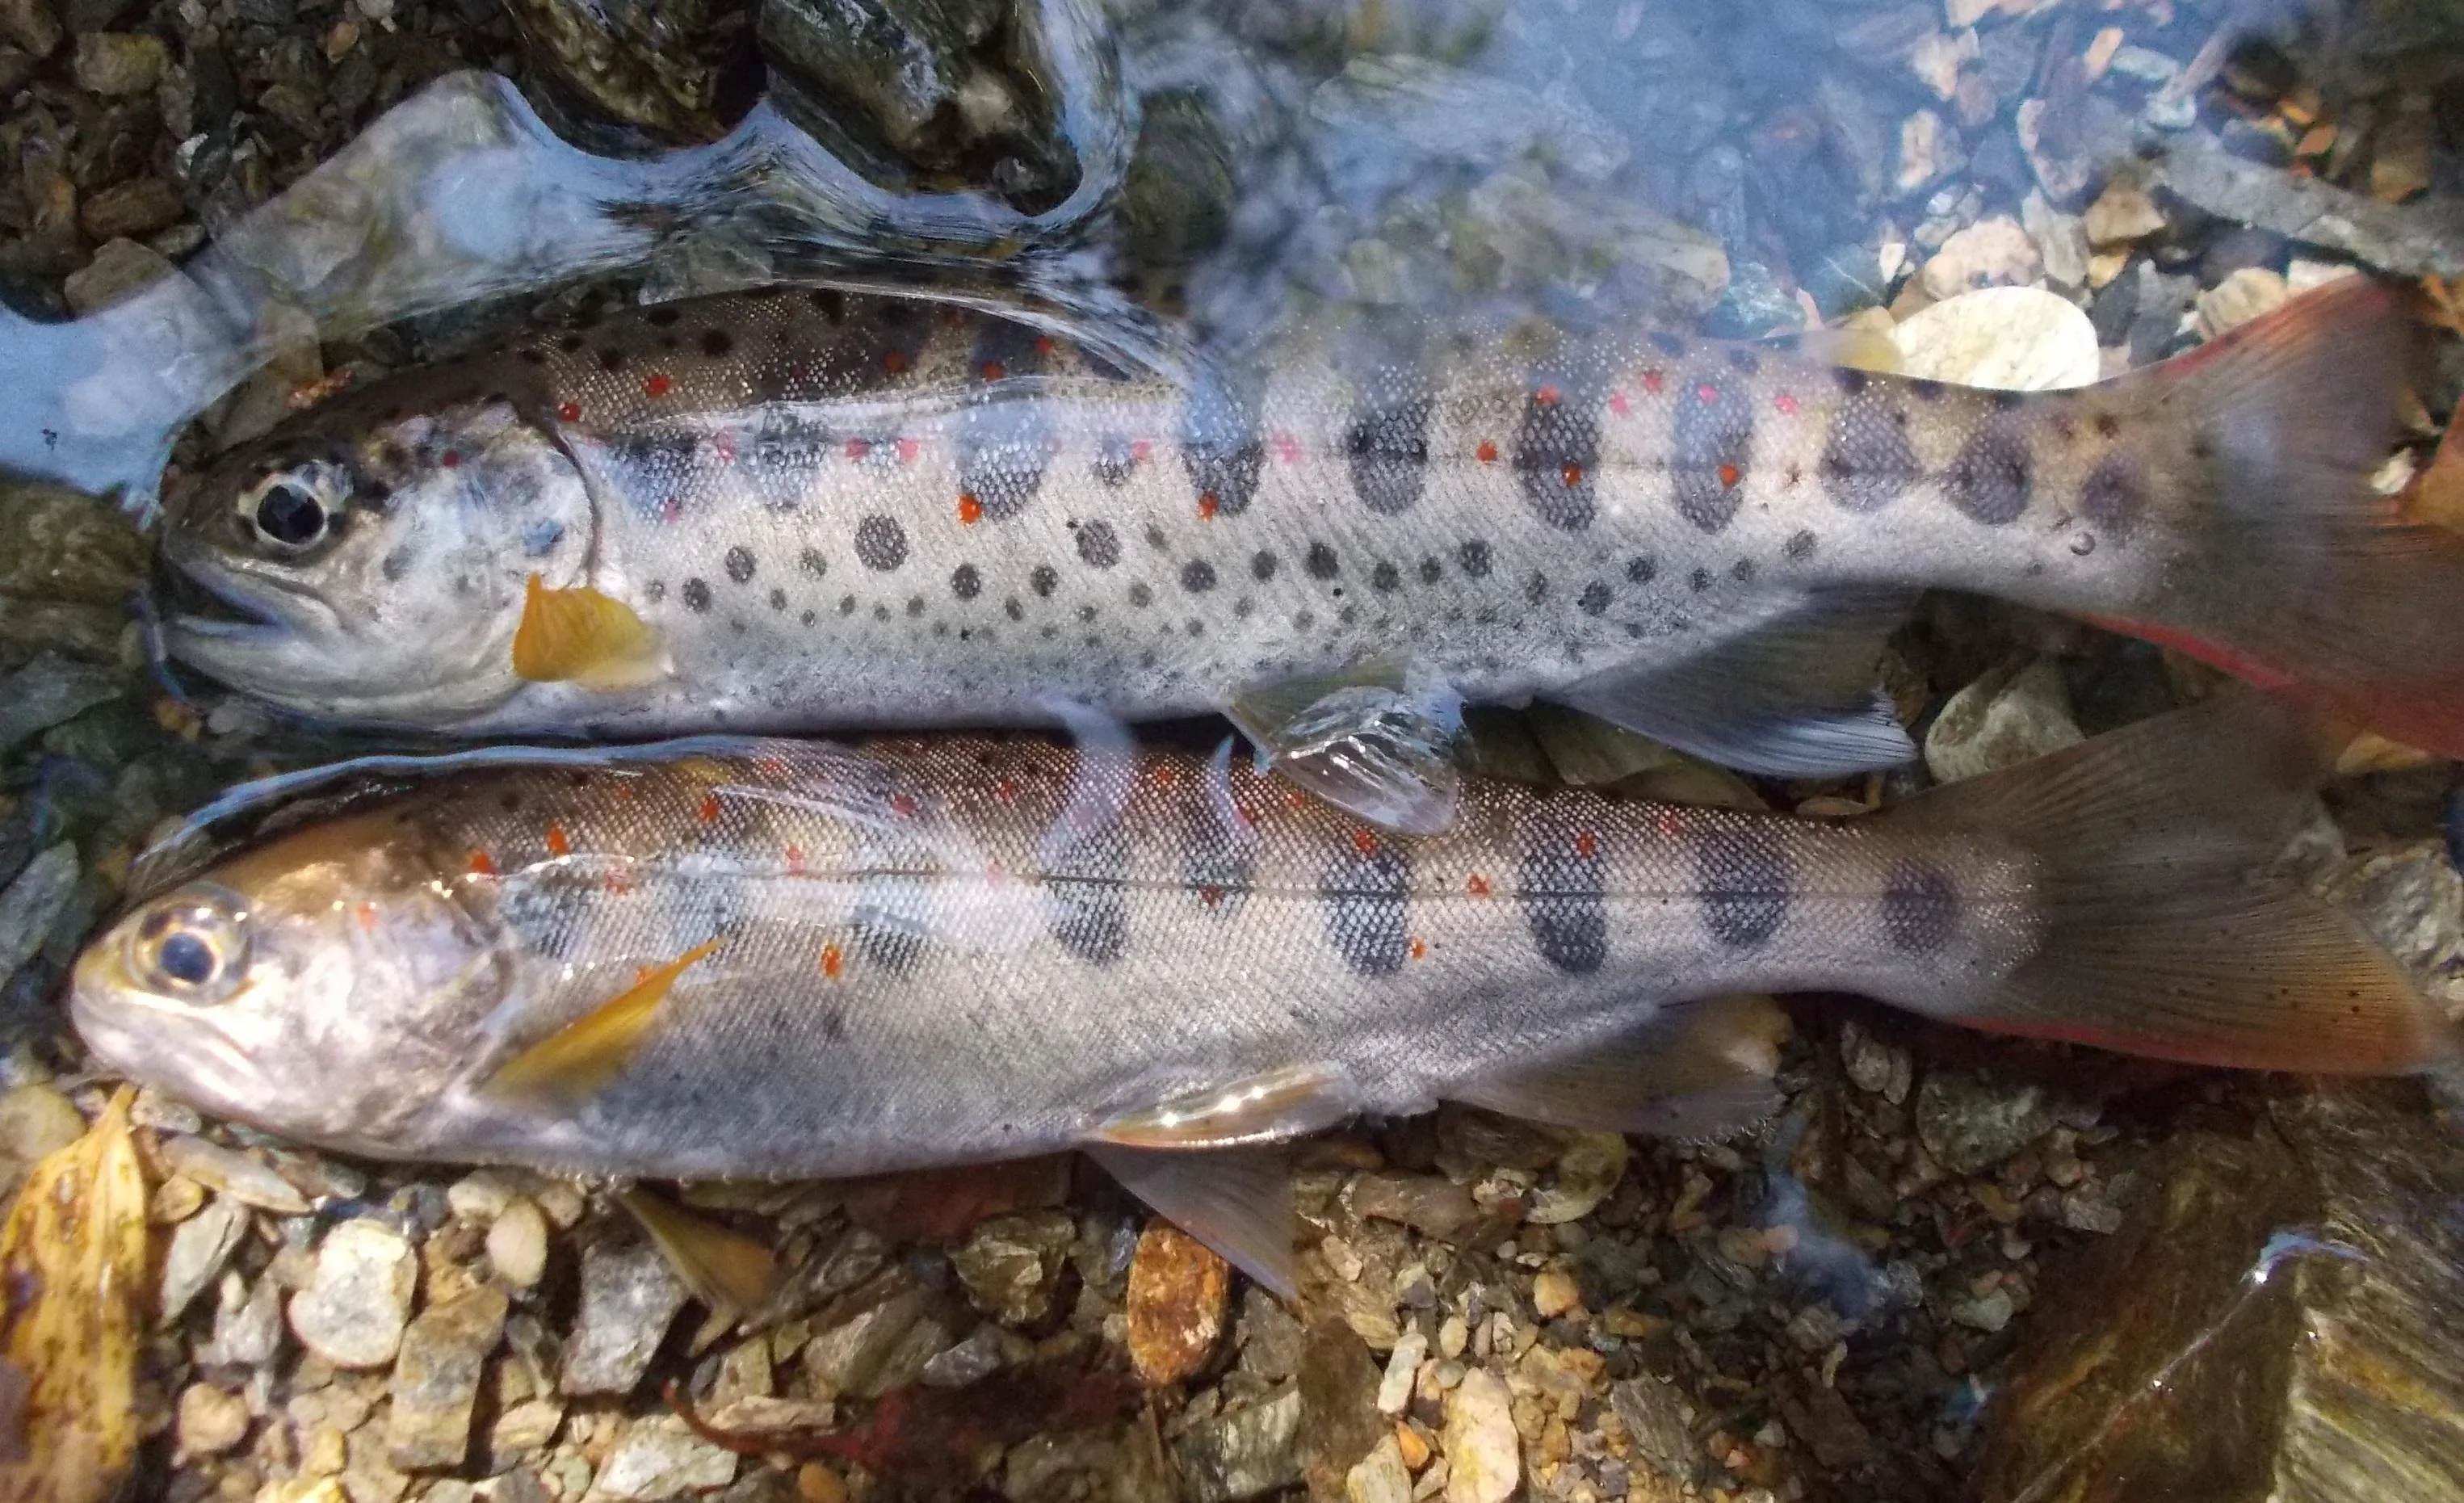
[833, 510]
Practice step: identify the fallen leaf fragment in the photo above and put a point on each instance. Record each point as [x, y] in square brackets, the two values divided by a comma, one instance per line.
[73, 1259]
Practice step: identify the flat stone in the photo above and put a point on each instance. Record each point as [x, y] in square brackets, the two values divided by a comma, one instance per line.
[659, 1459]
[358, 1297]
[630, 1297]
[1426, 1202]
[2249, 293]
[138, 206]
[1991, 252]
[1179, 1302]
[1587, 1173]
[436, 1379]
[865, 1335]
[117, 64]
[1381, 1477]
[1483, 1454]
[1010, 1263]
[2012, 714]
[234, 1174]
[33, 903]
[200, 1246]
[211, 1420]
[30, 24]
[1402, 1369]
[518, 1243]
[1662, 1430]
[1246, 1453]
[48, 690]
[1969, 1123]
[35, 1121]
[248, 1325]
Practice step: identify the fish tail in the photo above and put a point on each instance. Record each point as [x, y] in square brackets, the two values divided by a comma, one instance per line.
[2304, 579]
[2162, 933]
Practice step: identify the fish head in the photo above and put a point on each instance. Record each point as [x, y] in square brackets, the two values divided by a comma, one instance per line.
[330, 986]
[366, 561]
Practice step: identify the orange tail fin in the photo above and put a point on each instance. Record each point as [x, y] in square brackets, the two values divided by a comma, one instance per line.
[2307, 580]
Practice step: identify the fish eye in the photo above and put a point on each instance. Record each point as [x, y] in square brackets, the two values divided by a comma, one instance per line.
[291, 511]
[192, 946]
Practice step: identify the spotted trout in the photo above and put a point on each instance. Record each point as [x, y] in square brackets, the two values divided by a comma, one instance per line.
[747, 958]
[811, 510]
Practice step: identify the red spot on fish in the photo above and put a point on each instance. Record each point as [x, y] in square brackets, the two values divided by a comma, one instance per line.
[1293, 799]
[895, 361]
[770, 766]
[481, 865]
[1206, 506]
[1574, 476]
[1730, 474]
[1786, 404]
[1478, 886]
[708, 808]
[1163, 776]
[1139, 448]
[451, 459]
[970, 510]
[902, 806]
[1707, 393]
[832, 962]
[1546, 396]
[1488, 451]
[1587, 845]
[1211, 896]
[1365, 842]
[995, 873]
[1287, 449]
[368, 917]
[658, 385]
[795, 858]
[1006, 791]
[1654, 382]
[723, 444]
[858, 448]
[1420, 949]
[670, 509]
[557, 843]
[1618, 402]
[570, 411]
[908, 448]
[993, 371]
[617, 884]
[1671, 824]
[1044, 345]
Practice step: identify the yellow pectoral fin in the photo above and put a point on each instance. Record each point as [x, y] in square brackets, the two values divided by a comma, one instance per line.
[720, 1266]
[581, 635]
[581, 1058]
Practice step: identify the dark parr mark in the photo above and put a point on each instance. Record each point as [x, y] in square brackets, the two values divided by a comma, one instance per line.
[1087, 880]
[2113, 498]
[717, 344]
[1562, 892]
[1221, 449]
[1989, 479]
[1099, 546]
[1715, 440]
[739, 563]
[1004, 430]
[1557, 449]
[880, 544]
[1868, 462]
[1366, 908]
[1919, 909]
[1742, 873]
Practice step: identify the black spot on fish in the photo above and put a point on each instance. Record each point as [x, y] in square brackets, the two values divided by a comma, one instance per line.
[880, 544]
[1563, 892]
[1198, 576]
[1537, 588]
[777, 600]
[1701, 580]
[661, 317]
[1013, 608]
[811, 562]
[1320, 561]
[1991, 478]
[847, 605]
[1557, 449]
[1087, 880]
[1140, 595]
[1261, 566]
[1116, 459]
[532, 356]
[1595, 599]
[1044, 578]
[395, 565]
[1929, 390]
[2005, 401]
[1098, 545]
[1642, 570]
[1386, 576]
[1741, 571]
[1668, 344]
[1740, 870]
[1920, 909]
[1432, 571]
[1367, 894]
[1472, 557]
[830, 302]
[1868, 462]
[696, 596]
[1800, 546]
[915, 605]
[1004, 431]
[739, 563]
[611, 360]
[1715, 441]
[1743, 361]
[2107, 425]
[717, 344]
[1155, 538]
[1852, 381]
[965, 583]
[2113, 496]
[1221, 448]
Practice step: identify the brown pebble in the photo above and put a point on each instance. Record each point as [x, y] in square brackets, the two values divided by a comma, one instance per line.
[1180, 1295]
[1414, 1446]
[815, 1483]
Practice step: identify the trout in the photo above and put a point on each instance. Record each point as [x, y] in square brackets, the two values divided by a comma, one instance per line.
[748, 959]
[811, 510]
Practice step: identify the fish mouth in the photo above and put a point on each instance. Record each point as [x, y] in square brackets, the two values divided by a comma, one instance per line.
[202, 599]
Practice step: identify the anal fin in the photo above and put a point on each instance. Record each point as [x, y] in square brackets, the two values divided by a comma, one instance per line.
[1238, 1202]
[1697, 1069]
[1795, 697]
[1380, 741]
